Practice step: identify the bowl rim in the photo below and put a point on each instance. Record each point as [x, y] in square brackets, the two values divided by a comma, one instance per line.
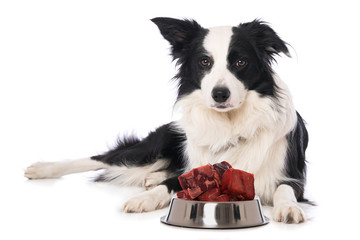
[198, 201]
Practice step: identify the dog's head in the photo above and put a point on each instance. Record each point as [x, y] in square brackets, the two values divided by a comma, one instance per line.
[223, 63]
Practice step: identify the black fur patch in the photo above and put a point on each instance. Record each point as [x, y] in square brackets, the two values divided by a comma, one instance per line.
[186, 38]
[172, 184]
[295, 159]
[252, 42]
[164, 142]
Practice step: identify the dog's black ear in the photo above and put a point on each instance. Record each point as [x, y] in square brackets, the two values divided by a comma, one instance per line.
[177, 32]
[265, 38]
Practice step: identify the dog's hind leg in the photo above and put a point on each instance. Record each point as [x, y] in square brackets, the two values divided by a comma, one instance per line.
[145, 162]
[57, 169]
[147, 176]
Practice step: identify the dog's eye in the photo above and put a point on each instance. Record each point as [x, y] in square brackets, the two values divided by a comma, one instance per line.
[205, 62]
[240, 63]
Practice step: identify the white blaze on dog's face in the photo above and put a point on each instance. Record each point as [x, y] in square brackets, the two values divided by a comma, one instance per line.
[219, 66]
[221, 89]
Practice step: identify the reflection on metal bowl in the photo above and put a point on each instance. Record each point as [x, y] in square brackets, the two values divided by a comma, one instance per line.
[199, 214]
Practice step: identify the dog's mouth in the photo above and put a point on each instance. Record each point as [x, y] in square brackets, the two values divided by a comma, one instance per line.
[222, 107]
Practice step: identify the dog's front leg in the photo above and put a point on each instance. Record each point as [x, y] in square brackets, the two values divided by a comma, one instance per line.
[148, 201]
[286, 208]
[155, 198]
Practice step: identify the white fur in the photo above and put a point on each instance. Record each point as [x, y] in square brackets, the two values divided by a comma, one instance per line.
[154, 178]
[147, 176]
[251, 138]
[216, 43]
[151, 200]
[286, 208]
[135, 176]
[58, 169]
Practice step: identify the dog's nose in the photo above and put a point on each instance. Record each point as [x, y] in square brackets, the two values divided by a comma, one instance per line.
[220, 94]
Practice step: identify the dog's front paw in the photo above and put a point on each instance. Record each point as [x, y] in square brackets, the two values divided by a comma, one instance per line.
[151, 200]
[139, 204]
[288, 213]
[41, 170]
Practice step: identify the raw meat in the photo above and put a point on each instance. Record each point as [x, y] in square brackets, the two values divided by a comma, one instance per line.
[238, 183]
[199, 180]
[213, 195]
[219, 182]
[221, 167]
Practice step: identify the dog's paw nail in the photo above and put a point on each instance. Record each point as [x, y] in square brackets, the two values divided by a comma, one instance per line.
[288, 213]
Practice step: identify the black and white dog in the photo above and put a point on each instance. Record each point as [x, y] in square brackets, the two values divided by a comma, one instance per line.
[233, 108]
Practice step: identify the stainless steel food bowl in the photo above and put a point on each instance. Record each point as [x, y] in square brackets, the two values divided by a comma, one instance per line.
[199, 214]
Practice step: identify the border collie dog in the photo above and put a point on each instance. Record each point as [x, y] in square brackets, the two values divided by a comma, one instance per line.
[233, 108]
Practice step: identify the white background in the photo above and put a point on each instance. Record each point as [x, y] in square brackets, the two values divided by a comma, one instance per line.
[74, 75]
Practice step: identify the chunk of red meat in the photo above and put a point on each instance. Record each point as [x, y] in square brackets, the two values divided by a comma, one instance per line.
[188, 194]
[213, 195]
[239, 184]
[221, 167]
[199, 180]
[223, 198]
[194, 192]
[210, 195]
[183, 194]
[218, 183]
